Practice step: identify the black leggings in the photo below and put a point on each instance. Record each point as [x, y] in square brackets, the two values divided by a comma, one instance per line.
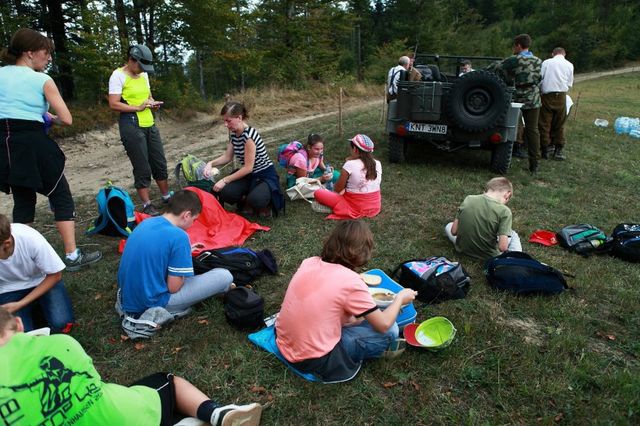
[259, 197]
[163, 384]
[60, 201]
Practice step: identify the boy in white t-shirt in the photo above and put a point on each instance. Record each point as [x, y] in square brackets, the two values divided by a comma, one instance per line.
[31, 277]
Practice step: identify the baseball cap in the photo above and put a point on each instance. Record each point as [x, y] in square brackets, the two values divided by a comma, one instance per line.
[363, 142]
[143, 56]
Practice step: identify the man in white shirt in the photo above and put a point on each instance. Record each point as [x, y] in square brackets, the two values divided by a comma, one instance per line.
[31, 277]
[557, 79]
[393, 77]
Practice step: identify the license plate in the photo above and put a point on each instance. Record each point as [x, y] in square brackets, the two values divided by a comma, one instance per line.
[439, 129]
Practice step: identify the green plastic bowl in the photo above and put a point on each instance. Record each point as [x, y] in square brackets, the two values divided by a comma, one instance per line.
[435, 333]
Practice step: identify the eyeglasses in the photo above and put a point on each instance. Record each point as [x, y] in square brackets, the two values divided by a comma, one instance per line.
[145, 61]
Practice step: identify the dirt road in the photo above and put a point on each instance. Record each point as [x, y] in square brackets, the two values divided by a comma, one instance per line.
[97, 156]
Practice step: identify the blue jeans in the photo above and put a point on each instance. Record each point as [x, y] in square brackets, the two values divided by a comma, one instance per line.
[363, 342]
[55, 305]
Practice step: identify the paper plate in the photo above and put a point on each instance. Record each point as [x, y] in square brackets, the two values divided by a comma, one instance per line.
[370, 279]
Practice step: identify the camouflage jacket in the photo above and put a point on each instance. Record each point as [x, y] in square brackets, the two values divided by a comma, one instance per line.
[523, 72]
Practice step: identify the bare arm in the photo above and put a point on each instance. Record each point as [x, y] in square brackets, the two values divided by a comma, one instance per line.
[381, 321]
[174, 283]
[454, 227]
[249, 160]
[47, 284]
[342, 181]
[503, 243]
[52, 94]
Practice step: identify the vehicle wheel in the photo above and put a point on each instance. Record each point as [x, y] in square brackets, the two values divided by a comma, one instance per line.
[501, 158]
[397, 148]
[478, 101]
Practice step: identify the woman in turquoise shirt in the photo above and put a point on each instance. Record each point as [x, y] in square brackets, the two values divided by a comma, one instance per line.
[30, 161]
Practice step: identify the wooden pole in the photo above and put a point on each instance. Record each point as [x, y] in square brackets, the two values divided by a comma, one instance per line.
[575, 113]
[340, 115]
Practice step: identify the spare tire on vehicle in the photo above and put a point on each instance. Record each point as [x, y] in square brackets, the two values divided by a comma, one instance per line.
[478, 101]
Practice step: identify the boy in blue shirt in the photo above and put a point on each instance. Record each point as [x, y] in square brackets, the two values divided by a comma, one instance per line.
[156, 269]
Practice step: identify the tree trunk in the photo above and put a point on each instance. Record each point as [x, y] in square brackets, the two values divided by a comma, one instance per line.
[151, 28]
[137, 10]
[201, 74]
[121, 22]
[65, 71]
[83, 16]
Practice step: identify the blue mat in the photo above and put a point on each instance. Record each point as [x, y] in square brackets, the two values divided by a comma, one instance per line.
[266, 339]
[407, 314]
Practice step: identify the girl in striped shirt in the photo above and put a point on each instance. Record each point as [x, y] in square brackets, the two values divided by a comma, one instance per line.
[255, 186]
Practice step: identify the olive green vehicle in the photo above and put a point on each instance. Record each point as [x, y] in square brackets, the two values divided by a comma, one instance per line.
[452, 111]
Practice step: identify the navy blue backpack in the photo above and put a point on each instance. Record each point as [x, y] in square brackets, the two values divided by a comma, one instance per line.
[244, 264]
[519, 273]
[116, 212]
[626, 242]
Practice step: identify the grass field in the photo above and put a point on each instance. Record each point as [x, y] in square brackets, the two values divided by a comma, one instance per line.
[572, 358]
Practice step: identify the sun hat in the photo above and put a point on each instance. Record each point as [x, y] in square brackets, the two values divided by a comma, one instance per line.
[433, 334]
[546, 238]
[363, 142]
[143, 56]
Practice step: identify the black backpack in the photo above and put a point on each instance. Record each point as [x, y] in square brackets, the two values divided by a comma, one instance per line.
[244, 264]
[436, 279]
[244, 308]
[584, 239]
[519, 273]
[626, 242]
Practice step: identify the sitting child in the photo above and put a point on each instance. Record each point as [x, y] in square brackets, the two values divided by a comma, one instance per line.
[309, 162]
[156, 269]
[329, 322]
[357, 191]
[31, 277]
[482, 227]
[50, 379]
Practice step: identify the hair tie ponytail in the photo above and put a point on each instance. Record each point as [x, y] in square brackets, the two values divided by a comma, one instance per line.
[15, 52]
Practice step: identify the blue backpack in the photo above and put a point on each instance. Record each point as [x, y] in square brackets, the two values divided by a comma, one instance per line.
[116, 212]
[517, 272]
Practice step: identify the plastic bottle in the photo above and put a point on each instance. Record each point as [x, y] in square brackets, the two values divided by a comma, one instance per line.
[596, 243]
[634, 124]
[601, 122]
[329, 172]
[621, 125]
[635, 133]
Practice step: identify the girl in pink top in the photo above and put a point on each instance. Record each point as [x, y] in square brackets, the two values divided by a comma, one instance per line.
[310, 163]
[329, 323]
[357, 192]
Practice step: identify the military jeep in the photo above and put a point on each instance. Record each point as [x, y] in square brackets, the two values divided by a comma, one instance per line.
[451, 111]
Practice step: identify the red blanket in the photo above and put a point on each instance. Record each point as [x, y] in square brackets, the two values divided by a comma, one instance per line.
[216, 227]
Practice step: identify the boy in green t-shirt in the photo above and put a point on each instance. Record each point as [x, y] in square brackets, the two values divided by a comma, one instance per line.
[482, 227]
[51, 380]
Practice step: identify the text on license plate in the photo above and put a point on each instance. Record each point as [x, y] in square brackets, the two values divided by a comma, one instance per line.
[440, 129]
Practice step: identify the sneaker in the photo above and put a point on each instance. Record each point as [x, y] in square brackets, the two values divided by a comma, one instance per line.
[83, 259]
[559, 154]
[151, 210]
[533, 169]
[395, 349]
[245, 415]
[166, 199]
[320, 208]
[546, 151]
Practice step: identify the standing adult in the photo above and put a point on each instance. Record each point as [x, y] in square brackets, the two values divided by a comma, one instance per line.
[393, 77]
[522, 69]
[557, 79]
[255, 186]
[30, 161]
[130, 95]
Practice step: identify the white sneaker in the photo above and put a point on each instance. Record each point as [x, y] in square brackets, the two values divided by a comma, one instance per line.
[320, 208]
[237, 415]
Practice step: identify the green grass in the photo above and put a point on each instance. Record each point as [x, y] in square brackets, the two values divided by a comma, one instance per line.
[515, 360]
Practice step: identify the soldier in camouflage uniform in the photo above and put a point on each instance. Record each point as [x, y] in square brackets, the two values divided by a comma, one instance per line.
[522, 70]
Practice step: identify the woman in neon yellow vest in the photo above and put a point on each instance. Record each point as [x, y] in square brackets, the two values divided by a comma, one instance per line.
[130, 95]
